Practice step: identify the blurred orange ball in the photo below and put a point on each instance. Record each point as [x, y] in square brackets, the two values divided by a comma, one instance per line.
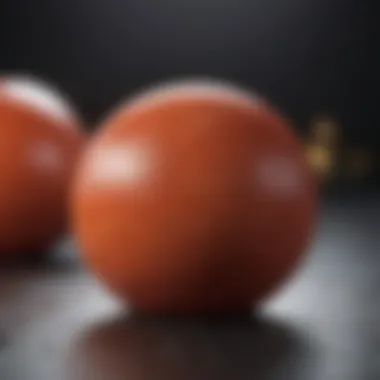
[39, 147]
[194, 197]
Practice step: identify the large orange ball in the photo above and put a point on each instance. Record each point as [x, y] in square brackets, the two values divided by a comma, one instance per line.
[39, 147]
[194, 198]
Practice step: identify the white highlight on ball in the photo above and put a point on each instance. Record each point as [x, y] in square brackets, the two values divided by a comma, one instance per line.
[46, 156]
[125, 164]
[38, 95]
[279, 175]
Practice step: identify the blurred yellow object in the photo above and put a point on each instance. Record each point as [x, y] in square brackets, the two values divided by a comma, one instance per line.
[321, 160]
[325, 131]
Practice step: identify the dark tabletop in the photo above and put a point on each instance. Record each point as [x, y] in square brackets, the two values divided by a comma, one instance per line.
[57, 323]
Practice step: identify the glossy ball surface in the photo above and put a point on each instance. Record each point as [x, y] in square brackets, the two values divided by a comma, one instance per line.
[195, 198]
[40, 96]
[38, 150]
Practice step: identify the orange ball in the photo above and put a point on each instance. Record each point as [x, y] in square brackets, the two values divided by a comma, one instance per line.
[39, 147]
[194, 197]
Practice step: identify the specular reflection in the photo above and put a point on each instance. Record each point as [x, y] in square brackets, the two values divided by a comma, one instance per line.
[146, 348]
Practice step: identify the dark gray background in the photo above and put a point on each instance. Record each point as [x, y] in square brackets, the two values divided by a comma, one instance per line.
[306, 56]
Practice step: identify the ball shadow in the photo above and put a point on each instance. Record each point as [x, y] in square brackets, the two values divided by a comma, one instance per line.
[232, 348]
[58, 259]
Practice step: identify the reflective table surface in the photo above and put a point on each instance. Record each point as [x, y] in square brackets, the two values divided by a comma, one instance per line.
[58, 323]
